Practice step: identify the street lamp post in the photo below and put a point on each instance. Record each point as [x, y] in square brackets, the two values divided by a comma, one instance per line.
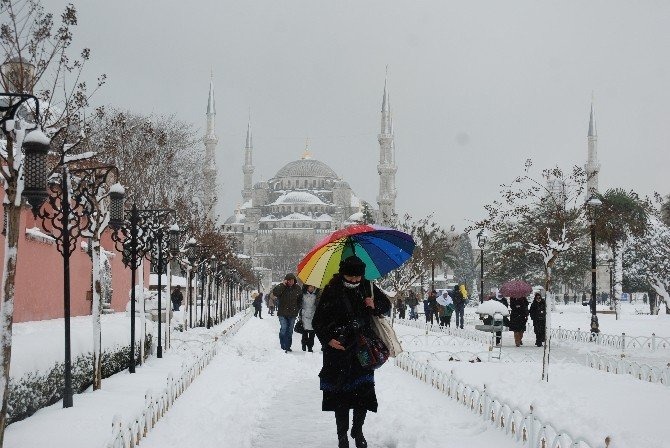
[610, 267]
[72, 201]
[161, 244]
[210, 278]
[134, 235]
[591, 206]
[482, 238]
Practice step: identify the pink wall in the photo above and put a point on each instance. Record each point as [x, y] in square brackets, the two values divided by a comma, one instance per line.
[39, 277]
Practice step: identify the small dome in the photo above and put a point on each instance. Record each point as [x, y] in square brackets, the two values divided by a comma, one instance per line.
[306, 168]
[298, 197]
[237, 218]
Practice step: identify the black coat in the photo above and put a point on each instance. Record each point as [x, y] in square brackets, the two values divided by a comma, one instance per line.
[538, 311]
[345, 384]
[518, 316]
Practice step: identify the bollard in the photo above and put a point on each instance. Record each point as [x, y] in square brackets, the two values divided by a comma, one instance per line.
[623, 342]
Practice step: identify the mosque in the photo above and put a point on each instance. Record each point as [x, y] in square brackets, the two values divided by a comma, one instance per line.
[281, 218]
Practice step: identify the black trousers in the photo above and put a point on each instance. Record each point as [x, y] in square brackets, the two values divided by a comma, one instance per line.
[342, 421]
[539, 328]
[257, 313]
[308, 339]
[445, 321]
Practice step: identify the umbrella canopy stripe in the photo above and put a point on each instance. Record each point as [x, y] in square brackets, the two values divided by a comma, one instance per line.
[325, 260]
[381, 249]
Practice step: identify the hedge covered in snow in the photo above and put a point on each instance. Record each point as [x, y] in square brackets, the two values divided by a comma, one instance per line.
[37, 389]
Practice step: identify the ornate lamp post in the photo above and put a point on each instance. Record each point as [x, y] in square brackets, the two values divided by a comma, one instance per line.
[161, 245]
[133, 236]
[482, 239]
[591, 207]
[72, 200]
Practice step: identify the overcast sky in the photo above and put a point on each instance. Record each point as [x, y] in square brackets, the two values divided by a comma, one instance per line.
[476, 87]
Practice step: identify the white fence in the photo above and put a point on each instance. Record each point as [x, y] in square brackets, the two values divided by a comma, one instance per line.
[129, 434]
[622, 366]
[523, 427]
[621, 342]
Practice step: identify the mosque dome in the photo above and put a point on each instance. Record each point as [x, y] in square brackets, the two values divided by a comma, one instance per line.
[306, 167]
[298, 197]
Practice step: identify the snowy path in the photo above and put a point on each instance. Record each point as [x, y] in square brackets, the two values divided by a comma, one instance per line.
[254, 395]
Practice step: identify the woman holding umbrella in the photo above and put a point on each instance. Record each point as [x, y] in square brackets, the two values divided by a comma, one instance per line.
[517, 291]
[343, 313]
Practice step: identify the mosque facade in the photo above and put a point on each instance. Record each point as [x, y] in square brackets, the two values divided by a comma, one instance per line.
[281, 218]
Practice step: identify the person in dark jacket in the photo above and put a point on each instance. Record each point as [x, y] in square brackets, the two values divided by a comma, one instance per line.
[430, 306]
[518, 317]
[177, 298]
[412, 302]
[288, 294]
[400, 306]
[257, 303]
[344, 313]
[459, 305]
[538, 313]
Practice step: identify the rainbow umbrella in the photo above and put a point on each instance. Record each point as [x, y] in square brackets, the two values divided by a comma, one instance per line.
[382, 250]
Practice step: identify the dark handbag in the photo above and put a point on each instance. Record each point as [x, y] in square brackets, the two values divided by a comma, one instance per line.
[371, 352]
[299, 327]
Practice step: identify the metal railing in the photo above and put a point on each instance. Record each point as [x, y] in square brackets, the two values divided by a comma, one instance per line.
[129, 433]
[622, 366]
[621, 342]
[465, 333]
[523, 427]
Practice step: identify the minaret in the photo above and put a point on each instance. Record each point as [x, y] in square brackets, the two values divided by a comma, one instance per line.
[592, 166]
[209, 169]
[387, 167]
[248, 167]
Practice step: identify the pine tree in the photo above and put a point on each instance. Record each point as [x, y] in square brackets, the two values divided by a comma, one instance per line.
[463, 263]
[665, 211]
[368, 217]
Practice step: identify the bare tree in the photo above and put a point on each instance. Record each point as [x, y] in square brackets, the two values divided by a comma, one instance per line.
[37, 51]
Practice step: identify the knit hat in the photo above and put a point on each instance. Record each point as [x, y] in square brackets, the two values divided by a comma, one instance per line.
[290, 276]
[353, 266]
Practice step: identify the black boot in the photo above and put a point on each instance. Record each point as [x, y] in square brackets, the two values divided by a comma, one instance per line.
[357, 428]
[342, 422]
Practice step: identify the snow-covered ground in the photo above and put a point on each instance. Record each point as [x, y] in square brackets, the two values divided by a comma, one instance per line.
[573, 317]
[583, 401]
[37, 346]
[255, 395]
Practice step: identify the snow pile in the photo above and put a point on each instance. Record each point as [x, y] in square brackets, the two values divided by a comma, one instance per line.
[491, 307]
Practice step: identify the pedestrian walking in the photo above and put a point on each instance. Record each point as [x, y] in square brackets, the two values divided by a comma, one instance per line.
[176, 298]
[271, 301]
[412, 303]
[343, 314]
[566, 298]
[446, 310]
[459, 305]
[430, 306]
[518, 318]
[310, 299]
[574, 298]
[538, 313]
[400, 306]
[288, 295]
[257, 303]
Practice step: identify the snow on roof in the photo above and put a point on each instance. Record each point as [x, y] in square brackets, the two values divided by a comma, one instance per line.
[358, 216]
[246, 204]
[237, 218]
[268, 218]
[324, 217]
[296, 217]
[298, 197]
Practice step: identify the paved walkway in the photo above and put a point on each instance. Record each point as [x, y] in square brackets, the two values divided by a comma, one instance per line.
[254, 395]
